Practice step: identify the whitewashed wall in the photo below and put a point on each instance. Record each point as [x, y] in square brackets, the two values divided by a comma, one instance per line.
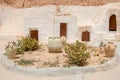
[19, 21]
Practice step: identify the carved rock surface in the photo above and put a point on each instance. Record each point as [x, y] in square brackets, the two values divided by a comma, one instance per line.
[30, 3]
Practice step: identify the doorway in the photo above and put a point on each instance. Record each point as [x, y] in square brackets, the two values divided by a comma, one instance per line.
[63, 29]
[112, 23]
[34, 34]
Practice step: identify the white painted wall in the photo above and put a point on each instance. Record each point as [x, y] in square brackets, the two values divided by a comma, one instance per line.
[19, 21]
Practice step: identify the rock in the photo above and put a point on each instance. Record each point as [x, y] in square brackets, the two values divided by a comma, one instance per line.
[15, 3]
[30, 3]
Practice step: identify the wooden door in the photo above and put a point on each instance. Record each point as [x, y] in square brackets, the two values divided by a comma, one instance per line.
[112, 23]
[34, 34]
[85, 36]
[63, 29]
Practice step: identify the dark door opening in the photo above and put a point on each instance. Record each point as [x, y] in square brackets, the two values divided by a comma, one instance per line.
[85, 36]
[34, 34]
[112, 23]
[63, 29]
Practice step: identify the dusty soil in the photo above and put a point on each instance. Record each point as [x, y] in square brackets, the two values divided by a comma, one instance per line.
[42, 58]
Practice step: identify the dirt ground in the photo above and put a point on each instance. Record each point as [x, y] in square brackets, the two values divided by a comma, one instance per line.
[42, 57]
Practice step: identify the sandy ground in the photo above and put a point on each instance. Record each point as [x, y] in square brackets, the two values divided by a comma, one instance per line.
[42, 57]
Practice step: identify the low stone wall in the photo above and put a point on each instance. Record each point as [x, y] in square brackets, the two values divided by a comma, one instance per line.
[58, 71]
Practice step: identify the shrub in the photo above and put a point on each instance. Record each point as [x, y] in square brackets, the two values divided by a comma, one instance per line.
[77, 53]
[55, 63]
[20, 51]
[101, 44]
[103, 61]
[52, 64]
[28, 44]
[25, 62]
[102, 47]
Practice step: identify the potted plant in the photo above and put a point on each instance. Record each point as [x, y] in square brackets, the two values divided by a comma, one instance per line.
[11, 50]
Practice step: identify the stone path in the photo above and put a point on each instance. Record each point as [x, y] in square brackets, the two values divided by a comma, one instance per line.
[113, 74]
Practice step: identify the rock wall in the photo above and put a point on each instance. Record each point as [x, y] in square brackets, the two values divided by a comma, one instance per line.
[30, 3]
[47, 20]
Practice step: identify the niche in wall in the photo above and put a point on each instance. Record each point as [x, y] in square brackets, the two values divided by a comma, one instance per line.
[34, 33]
[112, 23]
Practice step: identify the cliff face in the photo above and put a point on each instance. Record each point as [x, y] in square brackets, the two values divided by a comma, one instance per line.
[30, 3]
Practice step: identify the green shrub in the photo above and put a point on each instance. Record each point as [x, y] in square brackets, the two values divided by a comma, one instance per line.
[27, 44]
[52, 64]
[25, 62]
[19, 51]
[77, 53]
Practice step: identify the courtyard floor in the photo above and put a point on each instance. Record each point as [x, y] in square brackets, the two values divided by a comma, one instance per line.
[112, 74]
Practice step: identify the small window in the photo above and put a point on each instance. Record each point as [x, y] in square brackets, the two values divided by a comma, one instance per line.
[34, 34]
[112, 23]
[85, 36]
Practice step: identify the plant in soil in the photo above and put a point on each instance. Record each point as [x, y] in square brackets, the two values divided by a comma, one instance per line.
[103, 61]
[52, 64]
[77, 53]
[11, 49]
[102, 47]
[25, 62]
[27, 44]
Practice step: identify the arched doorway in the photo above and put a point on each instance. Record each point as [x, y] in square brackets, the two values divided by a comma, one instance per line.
[112, 23]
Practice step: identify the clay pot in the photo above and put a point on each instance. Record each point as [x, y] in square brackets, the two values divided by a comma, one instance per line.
[54, 45]
[110, 49]
[11, 53]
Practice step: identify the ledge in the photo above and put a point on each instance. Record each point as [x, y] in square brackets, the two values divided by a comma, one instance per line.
[10, 36]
